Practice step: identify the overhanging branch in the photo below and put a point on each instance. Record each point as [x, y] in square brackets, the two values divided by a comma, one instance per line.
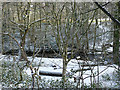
[108, 14]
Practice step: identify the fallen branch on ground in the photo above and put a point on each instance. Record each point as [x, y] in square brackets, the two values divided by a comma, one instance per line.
[78, 70]
[57, 74]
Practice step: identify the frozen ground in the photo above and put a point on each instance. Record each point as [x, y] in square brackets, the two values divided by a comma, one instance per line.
[47, 64]
[106, 71]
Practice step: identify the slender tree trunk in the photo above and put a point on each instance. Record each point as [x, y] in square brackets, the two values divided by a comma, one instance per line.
[96, 19]
[0, 41]
[64, 71]
[1, 27]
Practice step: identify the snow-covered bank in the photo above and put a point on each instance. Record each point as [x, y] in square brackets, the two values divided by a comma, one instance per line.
[47, 64]
[106, 72]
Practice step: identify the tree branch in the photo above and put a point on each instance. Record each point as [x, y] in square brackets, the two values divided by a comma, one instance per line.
[108, 14]
[94, 8]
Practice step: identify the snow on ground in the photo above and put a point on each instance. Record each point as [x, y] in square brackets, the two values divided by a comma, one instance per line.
[48, 63]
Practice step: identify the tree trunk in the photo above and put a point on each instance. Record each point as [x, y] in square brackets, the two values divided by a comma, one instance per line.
[64, 71]
[116, 45]
[1, 27]
[116, 38]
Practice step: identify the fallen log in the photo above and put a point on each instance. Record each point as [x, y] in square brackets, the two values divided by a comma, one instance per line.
[92, 65]
[87, 65]
[57, 74]
[78, 70]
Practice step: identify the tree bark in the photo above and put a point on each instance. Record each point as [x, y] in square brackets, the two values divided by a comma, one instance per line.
[116, 37]
[1, 27]
[64, 71]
